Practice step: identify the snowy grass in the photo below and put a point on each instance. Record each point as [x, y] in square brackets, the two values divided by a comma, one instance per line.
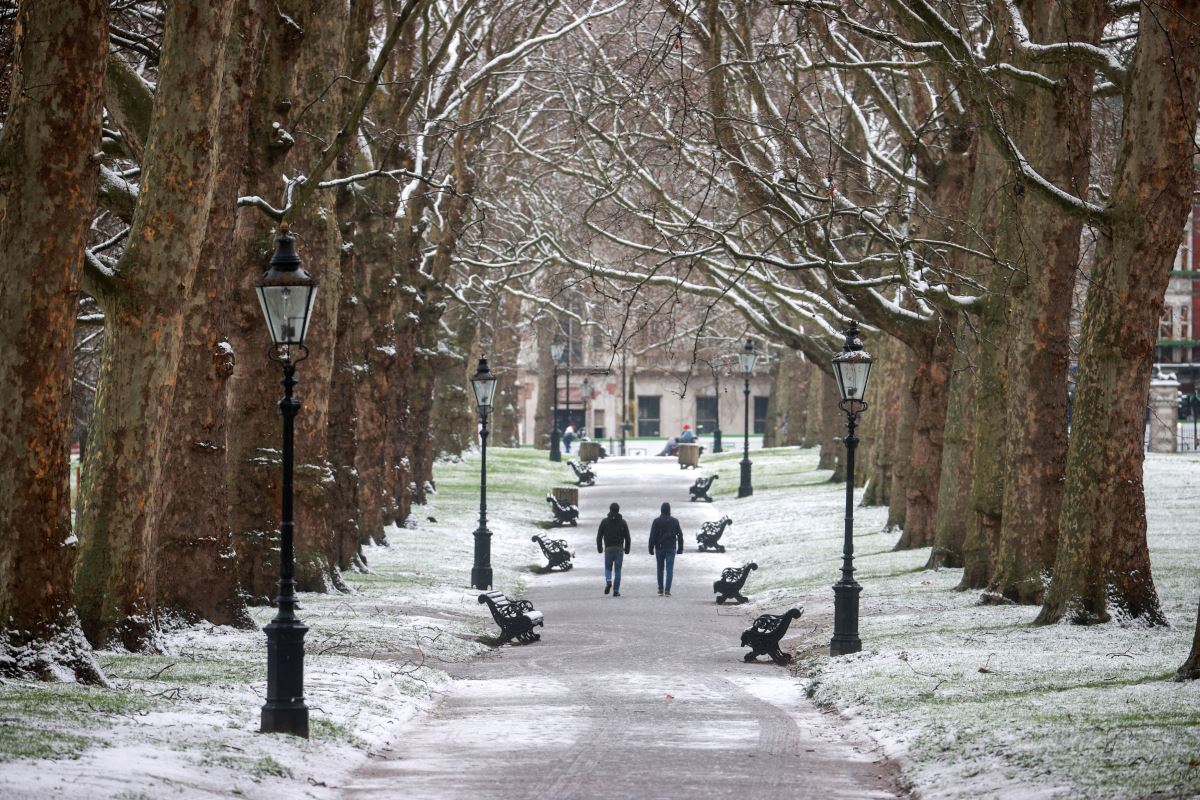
[185, 722]
[975, 701]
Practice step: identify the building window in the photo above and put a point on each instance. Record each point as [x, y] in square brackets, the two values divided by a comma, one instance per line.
[706, 415]
[598, 428]
[760, 414]
[1166, 323]
[648, 415]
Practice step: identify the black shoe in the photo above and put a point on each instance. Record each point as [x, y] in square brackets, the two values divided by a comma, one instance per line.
[616, 594]
[660, 591]
[608, 587]
[668, 593]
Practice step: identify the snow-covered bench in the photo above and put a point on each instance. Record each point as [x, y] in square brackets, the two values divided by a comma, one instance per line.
[764, 635]
[555, 551]
[583, 473]
[516, 618]
[710, 534]
[564, 513]
[700, 488]
[731, 583]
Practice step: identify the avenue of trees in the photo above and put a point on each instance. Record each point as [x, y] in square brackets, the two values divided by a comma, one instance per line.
[995, 190]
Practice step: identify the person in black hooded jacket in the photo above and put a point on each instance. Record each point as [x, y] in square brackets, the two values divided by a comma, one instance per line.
[613, 540]
[666, 538]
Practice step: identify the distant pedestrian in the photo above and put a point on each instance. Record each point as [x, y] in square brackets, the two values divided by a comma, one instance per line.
[666, 539]
[568, 437]
[613, 540]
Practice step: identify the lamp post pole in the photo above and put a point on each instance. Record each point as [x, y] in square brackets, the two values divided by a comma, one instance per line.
[555, 433]
[717, 402]
[484, 384]
[286, 293]
[624, 403]
[852, 369]
[747, 358]
[846, 591]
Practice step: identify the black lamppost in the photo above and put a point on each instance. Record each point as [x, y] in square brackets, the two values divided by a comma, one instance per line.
[748, 358]
[625, 426]
[585, 396]
[483, 382]
[717, 402]
[852, 369]
[286, 293]
[556, 354]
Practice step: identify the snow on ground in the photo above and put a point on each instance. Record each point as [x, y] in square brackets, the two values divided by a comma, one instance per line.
[975, 701]
[185, 722]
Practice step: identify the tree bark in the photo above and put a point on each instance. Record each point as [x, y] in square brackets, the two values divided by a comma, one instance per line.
[116, 581]
[1055, 131]
[906, 370]
[1190, 669]
[195, 546]
[958, 450]
[48, 182]
[1103, 560]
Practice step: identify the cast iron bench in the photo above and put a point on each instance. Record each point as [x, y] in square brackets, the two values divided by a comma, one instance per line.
[700, 488]
[556, 552]
[710, 533]
[564, 513]
[583, 473]
[516, 618]
[731, 583]
[764, 635]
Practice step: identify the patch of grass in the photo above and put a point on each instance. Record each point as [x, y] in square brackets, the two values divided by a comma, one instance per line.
[18, 739]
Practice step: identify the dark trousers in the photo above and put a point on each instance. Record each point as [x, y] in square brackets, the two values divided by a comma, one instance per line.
[665, 556]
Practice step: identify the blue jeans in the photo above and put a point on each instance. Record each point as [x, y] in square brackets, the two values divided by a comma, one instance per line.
[612, 568]
[665, 558]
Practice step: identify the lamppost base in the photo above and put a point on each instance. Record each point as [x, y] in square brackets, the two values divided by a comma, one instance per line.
[285, 711]
[844, 647]
[481, 578]
[744, 487]
[717, 441]
[845, 619]
[555, 450]
[292, 720]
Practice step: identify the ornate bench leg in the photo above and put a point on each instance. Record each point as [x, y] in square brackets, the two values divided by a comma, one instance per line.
[750, 657]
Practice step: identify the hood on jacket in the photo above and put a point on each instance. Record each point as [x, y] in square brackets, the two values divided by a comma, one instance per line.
[666, 509]
[614, 510]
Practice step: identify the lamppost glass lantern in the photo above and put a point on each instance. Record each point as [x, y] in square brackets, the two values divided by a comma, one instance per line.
[852, 369]
[748, 358]
[556, 351]
[286, 293]
[483, 383]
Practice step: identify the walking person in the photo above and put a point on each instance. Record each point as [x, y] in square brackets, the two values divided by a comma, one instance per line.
[666, 539]
[568, 437]
[613, 540]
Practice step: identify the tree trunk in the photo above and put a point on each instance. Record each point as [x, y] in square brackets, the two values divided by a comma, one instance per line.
[954, 488]
[930, 394]
[881, 421]
[1055, 132]
[253, 457]
[1190, 670]
[906, 370]
[833, 428]
[1102, 554]
[116, 581]
[47, 195]
[195, 545]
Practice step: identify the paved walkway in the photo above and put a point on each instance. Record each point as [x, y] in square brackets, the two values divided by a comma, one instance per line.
[639, 696]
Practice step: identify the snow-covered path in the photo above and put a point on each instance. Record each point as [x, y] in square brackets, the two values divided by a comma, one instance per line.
[632, 697]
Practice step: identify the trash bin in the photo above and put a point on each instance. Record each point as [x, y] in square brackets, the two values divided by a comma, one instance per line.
[689, 455]
[589, 452]
[568, 495]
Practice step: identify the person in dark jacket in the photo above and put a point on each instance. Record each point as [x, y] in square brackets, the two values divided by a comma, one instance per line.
[666, 538]
[613, 540]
